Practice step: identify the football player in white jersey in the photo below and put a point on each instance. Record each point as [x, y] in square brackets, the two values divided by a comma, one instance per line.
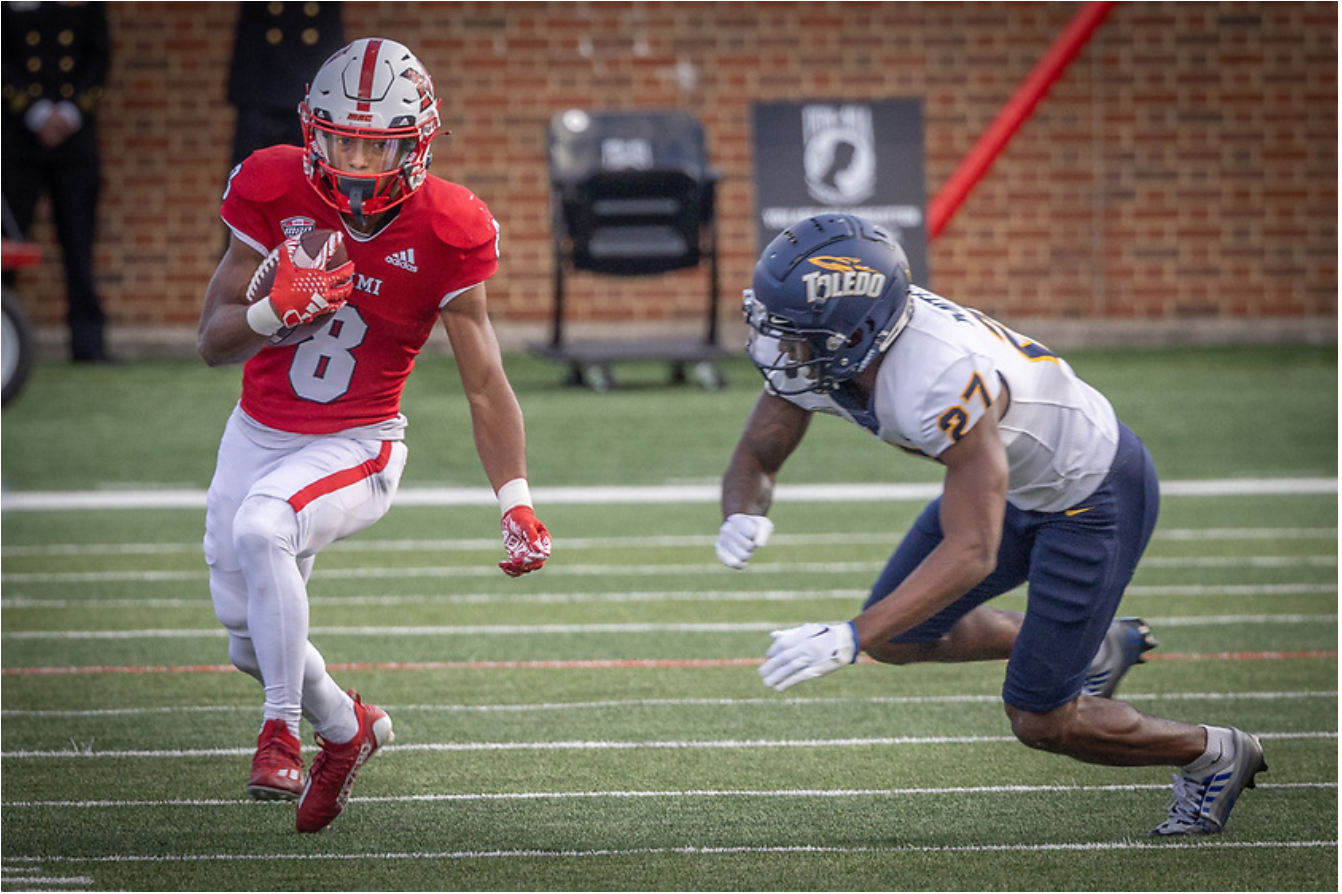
[1043, 486]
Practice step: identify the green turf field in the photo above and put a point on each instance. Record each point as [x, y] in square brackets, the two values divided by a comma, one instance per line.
[600, 725]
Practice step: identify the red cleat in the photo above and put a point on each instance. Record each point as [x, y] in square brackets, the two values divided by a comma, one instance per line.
[334, 769]
[277, 766]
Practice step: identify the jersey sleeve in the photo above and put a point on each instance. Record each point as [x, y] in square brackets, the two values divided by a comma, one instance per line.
[245, 209]
[469, 234]
[951, 403]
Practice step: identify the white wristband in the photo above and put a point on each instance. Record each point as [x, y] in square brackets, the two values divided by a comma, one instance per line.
[262, 318]
[514, 493]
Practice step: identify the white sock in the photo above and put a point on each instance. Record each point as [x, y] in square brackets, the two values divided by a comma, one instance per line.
[1220, 746]
[339, 723]
[291, 724]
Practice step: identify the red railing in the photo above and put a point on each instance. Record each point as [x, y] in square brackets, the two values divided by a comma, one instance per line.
[1014, 114]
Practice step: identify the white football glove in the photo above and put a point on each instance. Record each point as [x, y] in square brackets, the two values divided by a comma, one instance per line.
[740, 535]
[807, 652]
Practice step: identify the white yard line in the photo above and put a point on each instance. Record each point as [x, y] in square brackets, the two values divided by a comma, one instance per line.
[183, 498]
[689, 850]
[622, 570]
[673, 794]
[622, 704]
[670, 541]
[657, 629]
[636, 596]
[582, 745]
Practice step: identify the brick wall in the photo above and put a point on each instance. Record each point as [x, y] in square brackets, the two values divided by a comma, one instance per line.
[1183, 171]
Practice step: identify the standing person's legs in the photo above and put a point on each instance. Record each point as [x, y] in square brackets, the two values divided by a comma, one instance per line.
[75, 190]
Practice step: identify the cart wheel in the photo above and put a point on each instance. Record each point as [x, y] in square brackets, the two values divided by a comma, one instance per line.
[572, 377]
[709, 376]
[17, 347]
[598, 377]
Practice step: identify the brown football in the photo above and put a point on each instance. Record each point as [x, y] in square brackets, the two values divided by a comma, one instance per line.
[314, 250]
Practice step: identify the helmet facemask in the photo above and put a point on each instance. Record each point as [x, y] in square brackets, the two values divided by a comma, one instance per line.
[830, 296]
[365, 172]
[803, 355]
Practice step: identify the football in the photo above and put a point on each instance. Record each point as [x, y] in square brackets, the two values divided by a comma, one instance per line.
[316, 248]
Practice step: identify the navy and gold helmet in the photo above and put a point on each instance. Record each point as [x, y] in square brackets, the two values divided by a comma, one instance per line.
[829, 295]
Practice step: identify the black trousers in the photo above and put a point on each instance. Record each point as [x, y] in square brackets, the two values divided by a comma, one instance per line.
[71, 174]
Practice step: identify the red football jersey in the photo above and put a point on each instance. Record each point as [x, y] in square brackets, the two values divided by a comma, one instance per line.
[352, 371]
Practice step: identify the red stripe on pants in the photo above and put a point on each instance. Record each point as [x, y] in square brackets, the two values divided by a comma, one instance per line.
[344, 478]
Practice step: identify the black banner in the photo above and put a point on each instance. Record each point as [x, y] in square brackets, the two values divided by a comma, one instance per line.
[855, 157]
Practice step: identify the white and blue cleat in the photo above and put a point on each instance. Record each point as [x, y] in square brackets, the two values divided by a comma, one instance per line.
[1200, 803]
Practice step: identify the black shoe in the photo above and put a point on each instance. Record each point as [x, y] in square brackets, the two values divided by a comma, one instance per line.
[96, 358]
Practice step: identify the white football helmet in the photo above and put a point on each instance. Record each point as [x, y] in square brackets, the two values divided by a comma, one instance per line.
[369, 120]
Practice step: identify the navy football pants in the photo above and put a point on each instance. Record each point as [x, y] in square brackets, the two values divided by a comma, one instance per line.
[1077, 568]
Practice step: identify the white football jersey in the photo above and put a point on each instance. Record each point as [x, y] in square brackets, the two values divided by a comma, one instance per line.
[943, 372]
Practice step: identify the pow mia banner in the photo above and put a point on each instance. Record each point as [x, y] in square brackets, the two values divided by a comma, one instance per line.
[859, 157]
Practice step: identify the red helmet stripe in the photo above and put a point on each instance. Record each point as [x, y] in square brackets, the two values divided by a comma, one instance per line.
[366, 74]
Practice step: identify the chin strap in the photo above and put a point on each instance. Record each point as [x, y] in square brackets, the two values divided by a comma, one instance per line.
[356, 191]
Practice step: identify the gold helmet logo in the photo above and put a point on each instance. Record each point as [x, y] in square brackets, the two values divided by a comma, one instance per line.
[844, 277]
[840, 264]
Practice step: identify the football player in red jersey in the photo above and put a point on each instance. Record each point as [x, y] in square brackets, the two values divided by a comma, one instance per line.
[314, 451]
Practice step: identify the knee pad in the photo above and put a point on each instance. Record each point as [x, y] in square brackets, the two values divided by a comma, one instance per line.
[263, 527]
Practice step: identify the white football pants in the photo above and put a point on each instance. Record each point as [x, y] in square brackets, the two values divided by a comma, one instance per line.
[269, 511]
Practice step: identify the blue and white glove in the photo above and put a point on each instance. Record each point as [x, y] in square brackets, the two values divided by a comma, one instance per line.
[807, 652]
[740, 535]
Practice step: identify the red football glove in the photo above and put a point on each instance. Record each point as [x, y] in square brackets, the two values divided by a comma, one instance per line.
[526, 540]
[301, 294]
